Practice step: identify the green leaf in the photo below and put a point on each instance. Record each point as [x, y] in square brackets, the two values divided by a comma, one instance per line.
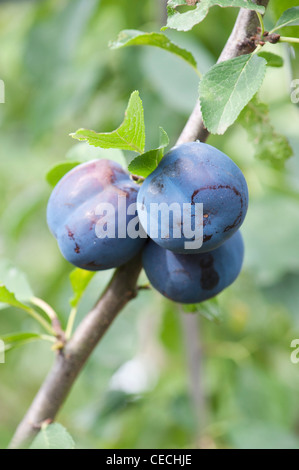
[83, 152]
[226, 89]
[9, 298]
[53, 436]
[14, 289]
[164, 139]
[132, 37]
[289, 17]
[185, 21]
[79, 281]
[145, 164]
[14, 340]
[15, 281]
[273, 60]
[209, 309]
[268, 144]
[58, 171]
[129, 136]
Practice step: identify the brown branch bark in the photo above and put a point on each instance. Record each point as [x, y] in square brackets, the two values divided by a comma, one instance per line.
[237, 44]
[70, 360]
[121, 288]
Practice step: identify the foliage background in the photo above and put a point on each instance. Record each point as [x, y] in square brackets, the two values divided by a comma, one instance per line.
[59, 76]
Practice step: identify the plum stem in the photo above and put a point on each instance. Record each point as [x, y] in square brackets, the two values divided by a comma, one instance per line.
[289, 40]
[46, 325]
[261, 23]
[70, 323]
[51, 314]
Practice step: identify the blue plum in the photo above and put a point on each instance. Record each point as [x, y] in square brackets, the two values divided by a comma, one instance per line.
[192, 279]
[194, 173]
[78, 215]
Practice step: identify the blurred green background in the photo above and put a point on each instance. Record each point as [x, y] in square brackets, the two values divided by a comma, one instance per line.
[134, 392]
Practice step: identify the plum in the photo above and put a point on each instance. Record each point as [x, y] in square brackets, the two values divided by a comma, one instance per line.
[85, 217]
[193, 278]
[194, 173]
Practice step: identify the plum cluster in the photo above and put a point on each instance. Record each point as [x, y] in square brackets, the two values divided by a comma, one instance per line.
[189, 175]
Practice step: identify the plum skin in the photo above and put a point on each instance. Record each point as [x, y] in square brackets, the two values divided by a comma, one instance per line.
[72, 219]
[197, 173]
[193, 279]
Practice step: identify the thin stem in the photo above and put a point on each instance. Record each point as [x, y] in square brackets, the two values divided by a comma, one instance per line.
[137, 178]
[261, 23]
[200, 75]
[33, 313]
[257, 50]
[290, 40]
[70, 323]
[49, 311]
[51, 339]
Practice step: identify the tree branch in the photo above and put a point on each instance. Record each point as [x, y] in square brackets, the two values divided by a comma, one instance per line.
[122, 288]
[70, 360]
[238, 44]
